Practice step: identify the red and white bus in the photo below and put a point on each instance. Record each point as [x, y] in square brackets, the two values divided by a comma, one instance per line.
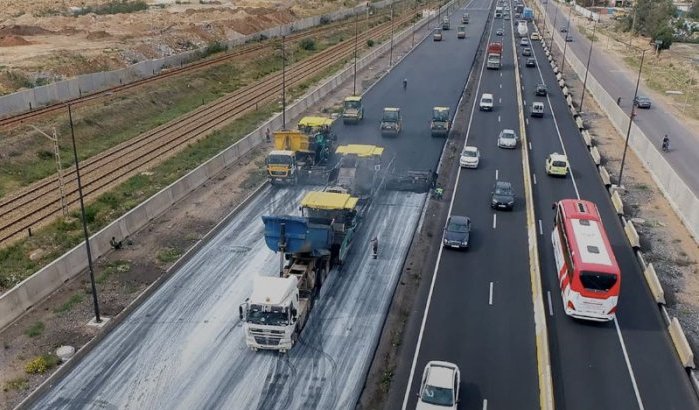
[587, 271]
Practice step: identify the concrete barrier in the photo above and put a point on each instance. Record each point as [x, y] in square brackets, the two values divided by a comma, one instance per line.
[604, 175]
[684, 351]
[565, 87]
[561, 83]
[587, 137]
[45, 281]
[654, 284]
[596, 157]
[616, 201]
[579, 122]
[632, 235]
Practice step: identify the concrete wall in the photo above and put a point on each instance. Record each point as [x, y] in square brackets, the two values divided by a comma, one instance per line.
[76, 87]
[42, 283]
[673, 187]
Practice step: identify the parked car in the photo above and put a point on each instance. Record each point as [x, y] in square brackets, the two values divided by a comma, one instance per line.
[507, 139]
[537, 109]
[642, 102]
[503, 196]
[540, 90]
[526, 51]
[524, 41]
[439, 388]
[557, 164]
[457, 232]
[486, 103]
[470, 157]
[531, 62]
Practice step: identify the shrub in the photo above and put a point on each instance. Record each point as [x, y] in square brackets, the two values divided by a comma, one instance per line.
[370, 43]
[40, 364]
[35, 329]
[308, 44]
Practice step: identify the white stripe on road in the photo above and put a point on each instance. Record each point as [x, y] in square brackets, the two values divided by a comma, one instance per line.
[500, 85]
[526, 120]
[498, 118]
[628, 365]
[496, 174]
[548, 292]
[541, 228]
[530, 146]
[490, 295]
[499, 100]
[534, 175]
[495, 220]
[485, 404]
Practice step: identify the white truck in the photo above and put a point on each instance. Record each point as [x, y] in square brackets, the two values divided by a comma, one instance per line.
[522, 29]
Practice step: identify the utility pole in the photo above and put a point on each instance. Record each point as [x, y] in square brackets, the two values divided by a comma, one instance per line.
[98, 319]
[565, 40]
[59, 167]
[631, 115]
[283, 84]
[587, 66]
[553, 28]
[356, 34]
[390, 58]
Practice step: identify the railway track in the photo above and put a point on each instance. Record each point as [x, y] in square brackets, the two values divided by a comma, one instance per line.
[245, 50]
[41, 202]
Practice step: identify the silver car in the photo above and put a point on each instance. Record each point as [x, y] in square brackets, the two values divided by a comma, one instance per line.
[507, 139]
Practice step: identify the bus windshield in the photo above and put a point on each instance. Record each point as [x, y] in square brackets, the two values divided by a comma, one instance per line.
[597, 281]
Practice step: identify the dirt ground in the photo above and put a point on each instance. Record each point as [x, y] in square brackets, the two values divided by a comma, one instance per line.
[41, 41]
[122, 275]
[665, 241]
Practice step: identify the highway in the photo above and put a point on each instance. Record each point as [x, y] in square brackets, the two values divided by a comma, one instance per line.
[183, 347]
[479, 308]
[631, 363]
[621, 82]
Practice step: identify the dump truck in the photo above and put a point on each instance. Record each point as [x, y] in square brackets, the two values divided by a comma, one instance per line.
[441, 122]
[309, 246]
[299, 157]
[494, 56]
[352, 109]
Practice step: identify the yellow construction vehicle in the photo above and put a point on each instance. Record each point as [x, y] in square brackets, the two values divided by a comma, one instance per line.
[298, 156]
[352, 110]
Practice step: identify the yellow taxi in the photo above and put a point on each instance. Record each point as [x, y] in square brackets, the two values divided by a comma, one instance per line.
[557, 164]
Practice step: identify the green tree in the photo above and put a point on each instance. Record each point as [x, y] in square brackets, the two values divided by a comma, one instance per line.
[649, 17]
[665, 35]
[694, 10]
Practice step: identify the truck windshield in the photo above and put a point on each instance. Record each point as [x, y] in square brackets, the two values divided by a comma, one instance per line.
[440, 115]
[390, 116]
[352, 104]
[278, 159]
[268, 315]
[598, 281]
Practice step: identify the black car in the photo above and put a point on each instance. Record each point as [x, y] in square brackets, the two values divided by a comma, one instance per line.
[526, 51]
[541, 90]
[564, 29]
[457, 232]
[642, 102]
[531, 62]
[503, 196]
[569, 38]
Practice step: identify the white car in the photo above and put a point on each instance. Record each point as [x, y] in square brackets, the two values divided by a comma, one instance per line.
[470, 157]
[507, 139]
[440, 386]
[486, 103]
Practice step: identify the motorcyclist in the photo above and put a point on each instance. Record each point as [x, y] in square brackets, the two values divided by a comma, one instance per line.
[374, 247]
[405, 83]
[666, 143]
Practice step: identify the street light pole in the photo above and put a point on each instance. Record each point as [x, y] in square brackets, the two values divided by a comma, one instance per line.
[553, 28]
[633, 114]
[283, 84]
[390, 58]
[587, 67]
[565, 40]
[356, 34]
[98, 319]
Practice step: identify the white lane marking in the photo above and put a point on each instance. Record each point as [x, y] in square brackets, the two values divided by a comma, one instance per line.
[541, 228]
[500, 85]
[628, 365]
[500, 74]
[524, 103]
[530, 146]
[498, 118]
[496, 174]
[441, 248]
[499, 100]
[534, 175]
[495, 220]
[548, 292]
[490, 295]
[485, 404]
[526, 120]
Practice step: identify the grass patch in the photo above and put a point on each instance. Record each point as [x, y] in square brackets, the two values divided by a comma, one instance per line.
[386, 379]
[36, 329]
[70, 303]
[111, 268]
[19, 383]
[167, 255]
[41, 364]
[114, 7]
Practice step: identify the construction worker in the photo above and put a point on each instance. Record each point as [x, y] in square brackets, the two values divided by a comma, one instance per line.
[375, 247]
[115, 244]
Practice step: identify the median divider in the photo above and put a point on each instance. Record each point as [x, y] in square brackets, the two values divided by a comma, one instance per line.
[41, 284]
[654, 284]
[616, 201]
[632, 235]
[579, 122]
[596, 157]
[587, 137]
[684, 351]
[606, 180]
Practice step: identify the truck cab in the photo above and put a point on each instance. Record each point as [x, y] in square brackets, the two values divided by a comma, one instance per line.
[296, 152]
[281, 167]
[352, 109]
[390, 122]
[441, 122]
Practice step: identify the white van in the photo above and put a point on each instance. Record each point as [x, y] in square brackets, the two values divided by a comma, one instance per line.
[486, 103]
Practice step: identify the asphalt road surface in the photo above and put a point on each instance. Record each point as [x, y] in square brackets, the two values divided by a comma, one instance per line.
[656, 121]
[183, 348]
